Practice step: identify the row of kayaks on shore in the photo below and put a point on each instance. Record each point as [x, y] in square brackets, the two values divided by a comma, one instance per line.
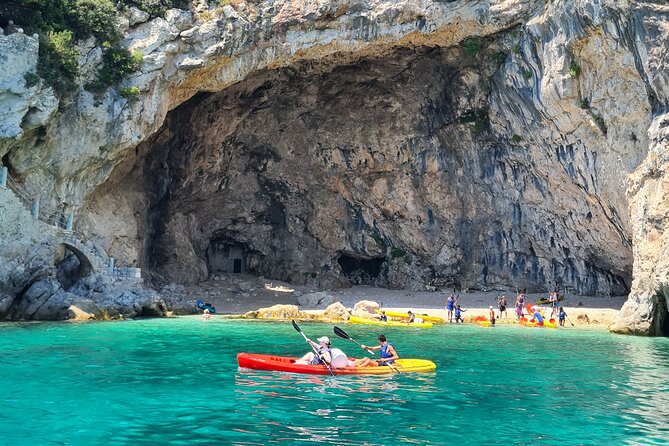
[368, 321]
[285, 364]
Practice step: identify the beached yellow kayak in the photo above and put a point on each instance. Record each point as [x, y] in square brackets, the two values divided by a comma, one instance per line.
[425, 317]
[364, 320]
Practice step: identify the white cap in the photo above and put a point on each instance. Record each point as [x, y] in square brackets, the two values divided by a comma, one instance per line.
[323, 340]
[491, 307]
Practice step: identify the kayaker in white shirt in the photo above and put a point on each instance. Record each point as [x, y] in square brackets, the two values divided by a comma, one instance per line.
[333, 356]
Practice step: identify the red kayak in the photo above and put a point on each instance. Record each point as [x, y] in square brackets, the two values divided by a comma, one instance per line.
[285, 364]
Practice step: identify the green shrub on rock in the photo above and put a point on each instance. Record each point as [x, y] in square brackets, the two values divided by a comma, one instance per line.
[57, 63]
[117, 62]
[129, 92]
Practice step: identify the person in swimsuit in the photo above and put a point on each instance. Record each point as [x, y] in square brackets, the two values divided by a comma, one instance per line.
[206, 315]
[386, 352]
[502, 307]
[553, 300]
[450, 306]
[383, 317]
[491, 316]
[412, 317]
[561, 316]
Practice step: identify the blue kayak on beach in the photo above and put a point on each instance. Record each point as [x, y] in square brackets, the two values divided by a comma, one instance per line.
[203, 306]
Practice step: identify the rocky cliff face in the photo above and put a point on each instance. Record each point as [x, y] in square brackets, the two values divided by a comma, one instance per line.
[410, 144]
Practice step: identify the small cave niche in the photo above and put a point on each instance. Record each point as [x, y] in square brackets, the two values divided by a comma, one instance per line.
[72, 267]
[362, 271]
[230, 256]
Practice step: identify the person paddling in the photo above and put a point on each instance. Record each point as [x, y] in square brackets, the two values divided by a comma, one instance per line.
[386, 352]
[333, 356]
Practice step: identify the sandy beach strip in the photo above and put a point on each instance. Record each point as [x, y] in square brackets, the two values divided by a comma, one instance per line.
[237, 294]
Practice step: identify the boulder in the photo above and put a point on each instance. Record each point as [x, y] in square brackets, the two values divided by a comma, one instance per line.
[84, 310]
[320, 299]
[365, 308]
[39, 292]
[55, 308]
[335, 312]
[280, 312]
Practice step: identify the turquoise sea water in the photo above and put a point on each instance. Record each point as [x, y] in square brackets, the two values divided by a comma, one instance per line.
[175, 381]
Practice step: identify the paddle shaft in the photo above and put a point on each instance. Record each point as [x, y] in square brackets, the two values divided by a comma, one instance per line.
[342, 334]
[325, 363]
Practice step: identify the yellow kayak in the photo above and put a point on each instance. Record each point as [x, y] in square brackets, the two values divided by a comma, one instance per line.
[364, 320]
[425, 317]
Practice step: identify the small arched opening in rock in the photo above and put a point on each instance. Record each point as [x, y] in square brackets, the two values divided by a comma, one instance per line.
[230, 256]
[73, 266]
[362, 271]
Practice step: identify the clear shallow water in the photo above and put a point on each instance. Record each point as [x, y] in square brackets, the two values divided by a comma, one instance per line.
[175, 381]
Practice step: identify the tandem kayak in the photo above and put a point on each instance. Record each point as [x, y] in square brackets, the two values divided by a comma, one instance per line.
[364, 320]
[425, 317]
[284, 364]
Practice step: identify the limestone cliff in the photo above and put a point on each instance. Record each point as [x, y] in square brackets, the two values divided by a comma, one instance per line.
[477, 144]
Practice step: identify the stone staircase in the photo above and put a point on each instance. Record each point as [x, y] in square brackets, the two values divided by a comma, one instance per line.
[93, 259]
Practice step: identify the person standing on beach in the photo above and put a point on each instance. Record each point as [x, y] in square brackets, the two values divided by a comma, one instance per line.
[491, 316]
[457, 314]
[553, 300]
[502, 307]
[561, 316]
[450, 306]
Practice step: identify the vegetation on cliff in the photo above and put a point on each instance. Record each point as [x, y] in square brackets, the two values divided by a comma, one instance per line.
[62, 23]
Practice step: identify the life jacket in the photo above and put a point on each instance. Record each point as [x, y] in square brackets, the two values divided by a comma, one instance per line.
[384, 350]
[317, 358]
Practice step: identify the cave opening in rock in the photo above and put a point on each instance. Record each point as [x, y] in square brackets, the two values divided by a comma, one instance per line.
[230, 256]
[362, 271]
[73, 267]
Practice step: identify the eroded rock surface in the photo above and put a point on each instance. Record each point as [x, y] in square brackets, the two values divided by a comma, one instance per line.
[400, 143]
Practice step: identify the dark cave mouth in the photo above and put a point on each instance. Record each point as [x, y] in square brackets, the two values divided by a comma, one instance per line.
[360, 271]
[230, 256]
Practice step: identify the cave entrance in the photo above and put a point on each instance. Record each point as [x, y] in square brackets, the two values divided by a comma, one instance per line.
[228, 256]
[73, 266]
[361, 271]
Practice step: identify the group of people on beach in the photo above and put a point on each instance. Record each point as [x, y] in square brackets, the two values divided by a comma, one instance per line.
[325, 354]
[454, 310]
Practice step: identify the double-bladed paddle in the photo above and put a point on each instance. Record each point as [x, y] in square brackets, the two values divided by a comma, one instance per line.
[342, 334]
[323, 361]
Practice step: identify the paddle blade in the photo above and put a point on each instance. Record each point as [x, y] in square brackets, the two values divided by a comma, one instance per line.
[296, 326]
[341, 333]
